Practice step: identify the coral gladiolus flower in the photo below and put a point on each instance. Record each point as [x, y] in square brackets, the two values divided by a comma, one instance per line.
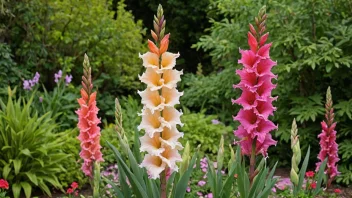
[88, 124]
[256, 99]
[159, 117]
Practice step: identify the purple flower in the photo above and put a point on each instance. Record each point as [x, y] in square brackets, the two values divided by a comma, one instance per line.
[40, 99]
[199, 194]
[210, 195]
[58, 75]
[188, 189]
[26, 85]
[201, 183]
[68, 79]
[36, 78]
[215, 121]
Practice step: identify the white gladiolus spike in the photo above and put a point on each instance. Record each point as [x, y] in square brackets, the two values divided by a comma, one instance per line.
[151, 145]
[171, 96]
[168, 60]
[159, 117]
[171, 78]
[150, 60]
[154, 165]
[172, 117]
[170, 157]
[171, 136]
[151, 122]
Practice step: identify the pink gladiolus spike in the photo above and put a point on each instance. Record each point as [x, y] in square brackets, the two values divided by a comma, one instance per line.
[252, 42]
[256, 99]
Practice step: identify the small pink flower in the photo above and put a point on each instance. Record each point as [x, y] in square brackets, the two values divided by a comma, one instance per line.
[338, 191]
[4, 184]
[188, 189]
[210, 195]
[69, 191]
[74, 185]
[201, 183]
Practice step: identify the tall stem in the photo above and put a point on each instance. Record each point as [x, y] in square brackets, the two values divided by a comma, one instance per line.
[163, 184]
[252, 162]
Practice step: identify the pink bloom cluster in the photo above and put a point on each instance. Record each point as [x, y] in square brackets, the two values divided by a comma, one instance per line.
[328, 147]
[89, 131]
[256, 100]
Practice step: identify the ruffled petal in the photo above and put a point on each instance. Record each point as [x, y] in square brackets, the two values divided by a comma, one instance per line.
[151, 99]
[265, 108]
[247, 118]
[171, 96]
[170, 157]
[170, 137]
[151, 122]
[247, 99]
[168, 60]
[171, 78]
[172, 116]
[264, 67]
[154, 165]
[150, 60]
[151, 145]
[152, 79]
[248, 59]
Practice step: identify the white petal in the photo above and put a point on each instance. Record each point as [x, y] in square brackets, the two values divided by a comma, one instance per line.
[172, 116]
[168, 60]
[154, 165]
[151, 99]
[171, 96]
[171, 136]
[170, 157]
[171, 78]
[151, 145]
[151, 122]
[150, 60]
[152, 79]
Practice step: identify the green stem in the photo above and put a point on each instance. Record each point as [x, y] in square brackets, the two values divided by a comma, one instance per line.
[252, 162]
[163, 184]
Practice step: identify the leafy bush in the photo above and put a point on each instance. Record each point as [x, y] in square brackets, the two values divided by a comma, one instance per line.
[199, 129]
[74, 163]
[31, 152]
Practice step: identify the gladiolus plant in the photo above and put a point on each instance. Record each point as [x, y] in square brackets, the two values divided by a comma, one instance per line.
[159, 117]
[328, 145]
[89, 135]
[256, 99]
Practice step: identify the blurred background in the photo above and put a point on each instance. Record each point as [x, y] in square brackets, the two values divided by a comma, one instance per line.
[311, 44]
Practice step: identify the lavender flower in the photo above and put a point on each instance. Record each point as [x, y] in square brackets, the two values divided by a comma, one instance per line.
[215, 121]
[26, 85]
[201, 183]
[40, 99]
[68, 79]
[58, 75]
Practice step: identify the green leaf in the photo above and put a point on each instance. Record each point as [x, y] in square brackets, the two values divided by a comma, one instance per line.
[27, 189]
[17, 165]
[16, 190]
[6, 170]
[181, 185]
[32, 177]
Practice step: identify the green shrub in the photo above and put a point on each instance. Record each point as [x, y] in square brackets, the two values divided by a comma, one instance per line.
[199, 129]
[74, 163]
[31, 154]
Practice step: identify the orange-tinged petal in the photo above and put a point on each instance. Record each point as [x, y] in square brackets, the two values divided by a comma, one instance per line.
[151, 99]
[151, 122]
[168, 60]
[171, 78]
[164, 44]
[151, 145]
[150, 60]
[152, 79]
[154, 165]
[171, 96]
[152, 47]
